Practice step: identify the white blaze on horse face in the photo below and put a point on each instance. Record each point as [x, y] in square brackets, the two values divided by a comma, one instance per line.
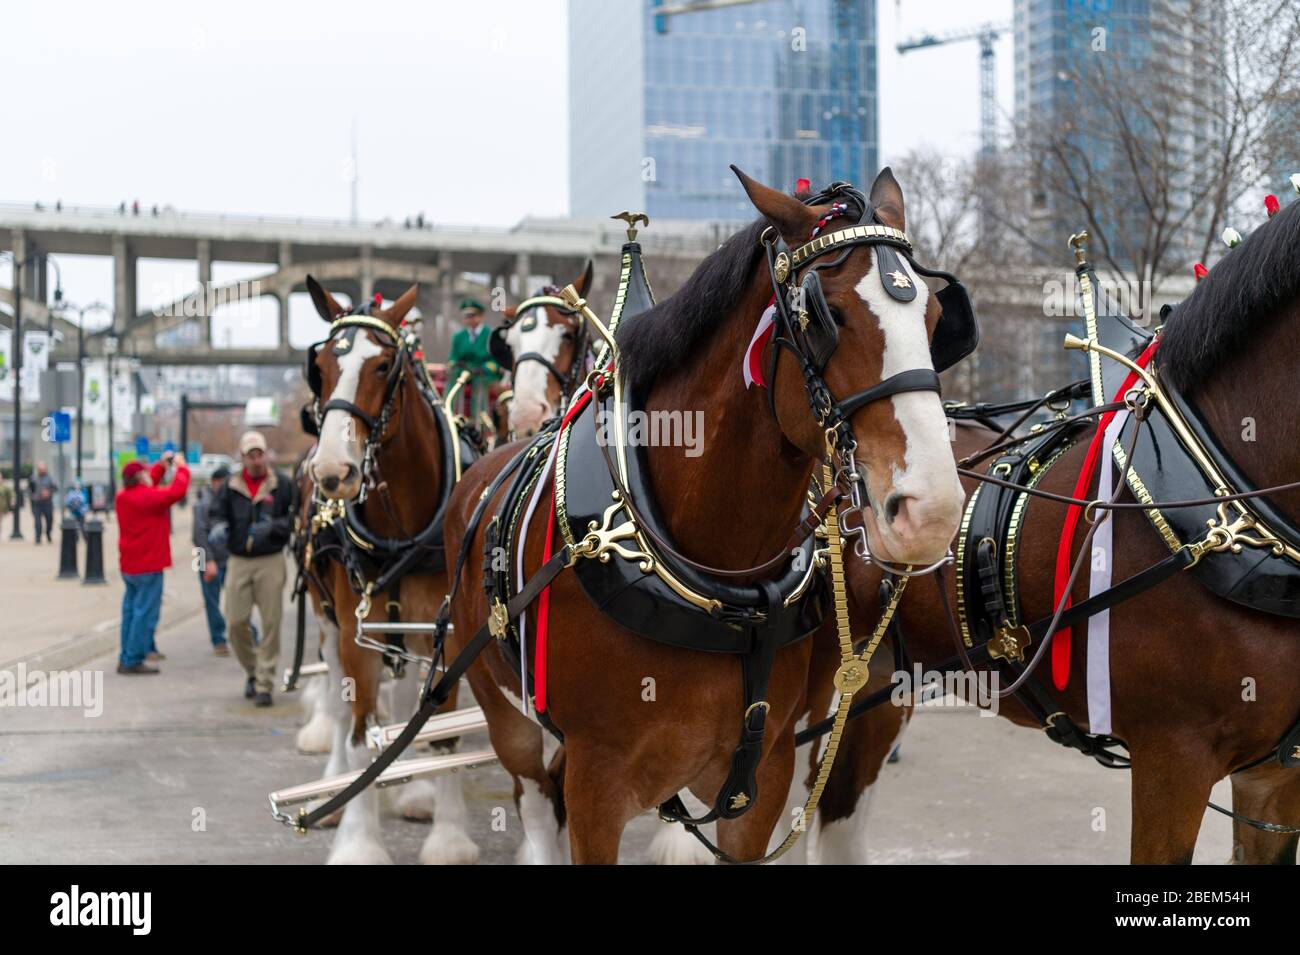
[926, 491]
[530, 406]
[338, 451]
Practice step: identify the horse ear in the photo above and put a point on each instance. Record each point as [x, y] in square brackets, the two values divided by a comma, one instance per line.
[326, 307]
[791, 217]
[397, 311]
[583, 283]
[887, 197]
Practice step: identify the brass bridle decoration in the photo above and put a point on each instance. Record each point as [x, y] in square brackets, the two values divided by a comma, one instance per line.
[854, 667]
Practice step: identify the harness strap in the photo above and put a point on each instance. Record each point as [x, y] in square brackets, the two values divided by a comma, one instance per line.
[433, 697]
[300, 632]
[741, 787]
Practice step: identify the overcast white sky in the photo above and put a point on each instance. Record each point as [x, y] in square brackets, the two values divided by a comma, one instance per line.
[461, 107]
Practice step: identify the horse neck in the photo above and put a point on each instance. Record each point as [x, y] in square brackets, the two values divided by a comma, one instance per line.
[1251, 404]
[410, 463]
[737, 502]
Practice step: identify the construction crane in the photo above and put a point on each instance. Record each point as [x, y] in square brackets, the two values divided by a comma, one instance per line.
[663, 11]
[987, 35]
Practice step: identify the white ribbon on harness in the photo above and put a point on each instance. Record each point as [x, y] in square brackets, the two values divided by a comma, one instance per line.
[1099, 581]
[519, 575]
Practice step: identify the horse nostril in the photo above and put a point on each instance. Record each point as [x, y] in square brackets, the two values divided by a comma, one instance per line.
[331, 483]
[349, 473]
[892, 505]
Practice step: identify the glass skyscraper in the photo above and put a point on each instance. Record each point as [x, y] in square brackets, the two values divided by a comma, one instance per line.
[660, 107]
[1158, 46]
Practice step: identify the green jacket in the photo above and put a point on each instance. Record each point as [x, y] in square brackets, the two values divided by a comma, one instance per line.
[471, 353]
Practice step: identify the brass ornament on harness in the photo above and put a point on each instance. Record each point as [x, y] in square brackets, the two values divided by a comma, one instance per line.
[782, 268]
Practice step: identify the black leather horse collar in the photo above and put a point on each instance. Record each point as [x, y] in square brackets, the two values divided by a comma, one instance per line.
[1251, 552]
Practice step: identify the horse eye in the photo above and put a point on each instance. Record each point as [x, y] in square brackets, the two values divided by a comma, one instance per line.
[382, 369]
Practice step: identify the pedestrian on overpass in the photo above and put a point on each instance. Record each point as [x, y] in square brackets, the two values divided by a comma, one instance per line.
[253, 509]
[144, 552]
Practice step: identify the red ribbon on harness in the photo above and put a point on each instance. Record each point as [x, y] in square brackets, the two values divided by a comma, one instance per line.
[544, 600]
[1061, 642]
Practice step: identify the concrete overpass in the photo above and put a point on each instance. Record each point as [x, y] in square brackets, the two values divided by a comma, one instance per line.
[358, 259]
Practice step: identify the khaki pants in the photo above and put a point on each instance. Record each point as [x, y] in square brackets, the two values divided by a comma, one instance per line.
[260, 581]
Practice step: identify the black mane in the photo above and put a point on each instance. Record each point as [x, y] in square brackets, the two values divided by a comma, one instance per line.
[1244, 289]
[668, 335]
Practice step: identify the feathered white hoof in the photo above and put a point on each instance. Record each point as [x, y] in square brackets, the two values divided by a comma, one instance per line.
[673, 845]
[448, 845]
[359, 852]
[416, 801]
[317, 734]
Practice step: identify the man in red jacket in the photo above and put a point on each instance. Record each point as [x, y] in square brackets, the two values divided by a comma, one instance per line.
[144, 552]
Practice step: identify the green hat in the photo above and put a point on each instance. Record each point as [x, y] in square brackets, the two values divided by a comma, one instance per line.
[472, 303]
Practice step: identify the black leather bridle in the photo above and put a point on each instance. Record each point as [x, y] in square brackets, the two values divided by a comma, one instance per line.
[507, 359]
[806, 328]
[376, 425]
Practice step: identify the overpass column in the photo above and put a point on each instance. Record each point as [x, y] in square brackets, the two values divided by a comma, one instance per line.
[522, 268]
[203, 253]
[445, 279]
[124, 299]
[367, 273]
[286, 260]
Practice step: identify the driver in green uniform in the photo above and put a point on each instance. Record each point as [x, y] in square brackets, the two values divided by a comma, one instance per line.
[469, 352]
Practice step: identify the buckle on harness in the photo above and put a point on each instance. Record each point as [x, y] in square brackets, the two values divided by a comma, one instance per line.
[1008, 643]
[499, 621]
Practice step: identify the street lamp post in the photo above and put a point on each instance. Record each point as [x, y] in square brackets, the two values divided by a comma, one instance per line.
[17, 532]
[81, 369]
[110, 349]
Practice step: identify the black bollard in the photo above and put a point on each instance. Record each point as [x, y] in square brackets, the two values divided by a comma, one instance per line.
[68, 556]
[94, 553]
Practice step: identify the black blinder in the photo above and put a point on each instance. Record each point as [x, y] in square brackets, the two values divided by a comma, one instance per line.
[499, 349]
[820, 332]
[958, 331]
[313, 373]
[307, 418]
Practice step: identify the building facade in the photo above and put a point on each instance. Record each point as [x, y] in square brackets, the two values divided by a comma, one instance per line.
[660, 107]
[1075, 62]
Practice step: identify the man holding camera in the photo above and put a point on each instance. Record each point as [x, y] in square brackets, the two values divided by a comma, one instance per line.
[252, 513]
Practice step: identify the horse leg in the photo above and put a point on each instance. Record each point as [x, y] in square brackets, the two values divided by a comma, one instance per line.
[1171, 786]
[358, 841]
[448, 843]
[519, 745]
[330, 700]
[415, 800]
[845, 806]
[316, 733]
[1268, 793]
[598, 801]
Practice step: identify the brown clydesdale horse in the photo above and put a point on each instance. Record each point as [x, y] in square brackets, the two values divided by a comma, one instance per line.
[734, 504]
[407, 476]
[1181, 658]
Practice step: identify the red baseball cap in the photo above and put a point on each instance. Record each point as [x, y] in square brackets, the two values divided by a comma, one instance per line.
[131, 468]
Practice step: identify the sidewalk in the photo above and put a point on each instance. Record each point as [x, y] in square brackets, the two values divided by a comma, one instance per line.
[60, 624]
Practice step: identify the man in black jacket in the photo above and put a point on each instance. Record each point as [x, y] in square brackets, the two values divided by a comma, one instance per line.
[253, 514]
